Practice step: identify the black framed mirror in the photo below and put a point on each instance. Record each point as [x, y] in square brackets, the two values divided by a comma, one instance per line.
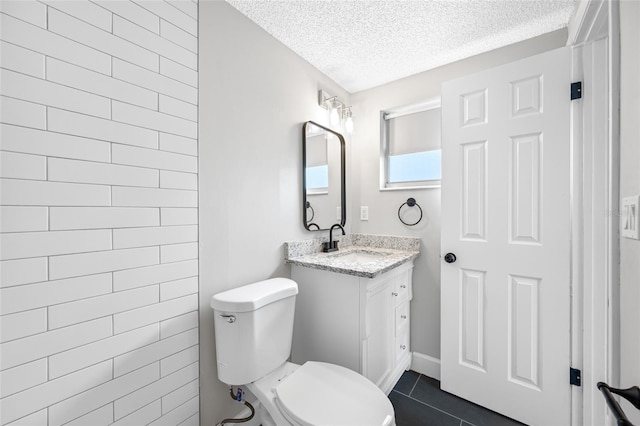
[323, 177]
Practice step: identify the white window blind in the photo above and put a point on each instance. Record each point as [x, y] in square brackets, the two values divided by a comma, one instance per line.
[410, 146]
[415, 132]
[316, 151]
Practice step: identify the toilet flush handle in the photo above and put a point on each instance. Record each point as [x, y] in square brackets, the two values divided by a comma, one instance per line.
[229, 318]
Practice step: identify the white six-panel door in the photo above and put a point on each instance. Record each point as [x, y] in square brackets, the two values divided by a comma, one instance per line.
[506, 217]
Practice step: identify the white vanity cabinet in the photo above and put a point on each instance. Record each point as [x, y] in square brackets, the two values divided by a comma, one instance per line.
[360, 323]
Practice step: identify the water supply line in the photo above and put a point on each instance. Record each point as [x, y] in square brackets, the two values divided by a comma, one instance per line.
[238, 397]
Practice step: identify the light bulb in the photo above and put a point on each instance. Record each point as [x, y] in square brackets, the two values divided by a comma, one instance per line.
[334, 117]
[348, 125]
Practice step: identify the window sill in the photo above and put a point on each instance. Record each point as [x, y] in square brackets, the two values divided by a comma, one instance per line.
[409, 188]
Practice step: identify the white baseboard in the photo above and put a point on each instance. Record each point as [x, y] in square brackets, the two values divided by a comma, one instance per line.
[425, 364]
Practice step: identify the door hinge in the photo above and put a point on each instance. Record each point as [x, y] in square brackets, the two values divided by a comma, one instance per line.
[575, 377]
[576, 90]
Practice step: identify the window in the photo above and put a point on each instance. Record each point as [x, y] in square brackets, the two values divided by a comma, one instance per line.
[317, 166]
[410, 146]
[318, 178]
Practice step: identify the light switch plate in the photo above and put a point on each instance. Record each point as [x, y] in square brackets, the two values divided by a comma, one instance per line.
[630, 217]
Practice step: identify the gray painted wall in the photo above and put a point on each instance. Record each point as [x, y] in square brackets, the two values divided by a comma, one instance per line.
[254, 96]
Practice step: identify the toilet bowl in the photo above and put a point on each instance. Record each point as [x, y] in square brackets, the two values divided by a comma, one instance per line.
[318, 393]
[254, 326]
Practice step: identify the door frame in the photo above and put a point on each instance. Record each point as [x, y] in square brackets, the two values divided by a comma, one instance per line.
[595, 200]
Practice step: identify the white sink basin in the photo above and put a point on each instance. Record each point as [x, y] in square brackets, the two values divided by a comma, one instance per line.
[360, 257]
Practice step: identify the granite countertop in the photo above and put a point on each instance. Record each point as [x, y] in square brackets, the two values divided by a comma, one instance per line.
[376, 254]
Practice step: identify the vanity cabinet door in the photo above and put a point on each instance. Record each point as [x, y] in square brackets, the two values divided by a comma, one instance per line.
[327, 325]
[402, 306]
[379, 331]
[402, 318]
[359, 323]
[402, 349]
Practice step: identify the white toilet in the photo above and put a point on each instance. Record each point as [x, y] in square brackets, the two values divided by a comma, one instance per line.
[254, 327]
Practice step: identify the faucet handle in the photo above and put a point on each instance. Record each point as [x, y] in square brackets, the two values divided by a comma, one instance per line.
[329, 246]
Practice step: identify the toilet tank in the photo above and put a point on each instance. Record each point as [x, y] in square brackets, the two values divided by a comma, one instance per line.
[253, 329]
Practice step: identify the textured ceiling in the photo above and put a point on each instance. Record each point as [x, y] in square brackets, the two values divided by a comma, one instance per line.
[364, 43]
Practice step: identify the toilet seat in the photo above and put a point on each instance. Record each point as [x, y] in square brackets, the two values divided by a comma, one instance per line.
[321, 394]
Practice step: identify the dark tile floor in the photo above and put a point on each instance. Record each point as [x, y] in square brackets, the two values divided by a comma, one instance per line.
[418, 401]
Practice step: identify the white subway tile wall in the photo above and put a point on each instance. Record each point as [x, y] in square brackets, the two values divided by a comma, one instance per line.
[98, 212]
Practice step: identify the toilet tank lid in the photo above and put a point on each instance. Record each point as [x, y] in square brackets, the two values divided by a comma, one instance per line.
[250, 297]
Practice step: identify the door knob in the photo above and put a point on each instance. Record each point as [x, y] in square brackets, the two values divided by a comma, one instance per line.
[449, 257]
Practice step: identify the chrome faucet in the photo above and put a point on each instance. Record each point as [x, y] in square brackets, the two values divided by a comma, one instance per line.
[332, 245]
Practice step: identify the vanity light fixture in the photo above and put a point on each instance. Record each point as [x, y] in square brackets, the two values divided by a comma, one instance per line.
[334, 115]
[348, 121]
[338, 111]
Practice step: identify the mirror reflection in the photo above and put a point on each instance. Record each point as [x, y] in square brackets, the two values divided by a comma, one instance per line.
[323, 162]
